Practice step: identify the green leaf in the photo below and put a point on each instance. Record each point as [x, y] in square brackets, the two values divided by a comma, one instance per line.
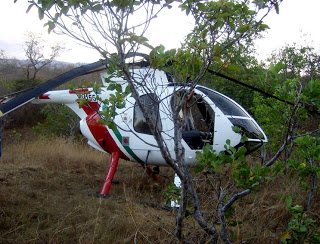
[118, 88]
[29, 7]
[303, 229]
[289, 202]
[112, 126]
[264, 27]
[121, 105]
[202, 7]
[243, 139]
[217, 50]
[316, 237]
[236, 129]
[276, 68]
[297, 208]
[127, 90]
[111, 87]
[40, 14]
[276, 6]
[242, 29]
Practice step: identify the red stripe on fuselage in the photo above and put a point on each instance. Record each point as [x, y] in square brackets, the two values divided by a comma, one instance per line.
[102, 135]
[44, 96]
[92, 107]
[80, 90]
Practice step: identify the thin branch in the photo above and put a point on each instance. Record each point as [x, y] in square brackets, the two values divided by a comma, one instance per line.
[276, 156]
[237, 196]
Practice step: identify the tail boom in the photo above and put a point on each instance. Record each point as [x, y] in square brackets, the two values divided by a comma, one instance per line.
[71, 99]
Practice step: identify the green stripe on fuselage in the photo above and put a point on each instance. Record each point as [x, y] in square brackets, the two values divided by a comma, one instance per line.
[127, 148]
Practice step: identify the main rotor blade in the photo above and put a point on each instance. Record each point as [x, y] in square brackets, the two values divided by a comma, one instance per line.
[248, 86]
[31, 94]
[309, 108]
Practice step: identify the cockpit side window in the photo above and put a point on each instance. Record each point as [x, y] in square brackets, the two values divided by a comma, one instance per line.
[150, 102]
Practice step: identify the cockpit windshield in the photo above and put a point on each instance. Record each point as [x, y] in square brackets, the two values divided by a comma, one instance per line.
[227, 106]
[251, 130]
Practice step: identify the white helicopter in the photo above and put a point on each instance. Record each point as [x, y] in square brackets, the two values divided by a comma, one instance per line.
[210, 118]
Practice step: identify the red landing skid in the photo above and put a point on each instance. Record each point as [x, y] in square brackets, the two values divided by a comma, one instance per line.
[112, 170]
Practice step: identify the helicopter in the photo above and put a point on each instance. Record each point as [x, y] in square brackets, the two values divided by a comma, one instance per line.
[210, 118]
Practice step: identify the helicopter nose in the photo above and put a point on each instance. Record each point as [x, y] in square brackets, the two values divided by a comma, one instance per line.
[239, 117]
[250, 129]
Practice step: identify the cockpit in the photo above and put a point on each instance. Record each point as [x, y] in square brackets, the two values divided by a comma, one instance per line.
[207, 106]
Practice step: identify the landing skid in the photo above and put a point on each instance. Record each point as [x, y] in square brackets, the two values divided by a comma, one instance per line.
[114, 160]
[111, 171]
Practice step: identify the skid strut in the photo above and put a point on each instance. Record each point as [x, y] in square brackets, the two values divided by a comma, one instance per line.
[112, 170]
[151, 172]
[177, 182]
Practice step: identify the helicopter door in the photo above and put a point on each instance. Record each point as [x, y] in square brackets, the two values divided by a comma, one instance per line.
[143, 142]
[139, 122]
[199, 128]
[199, 122]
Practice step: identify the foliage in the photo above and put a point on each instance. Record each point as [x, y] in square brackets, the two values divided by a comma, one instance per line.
[115, 101]
[296, 71]
[172, 193]
[301, 229]
[307, 158]
[109, 22]
[297, 60]
[36, 61]
[21, 84]
[300, 90]
[232, 159]
[311, 94]
[60, 121]
[243, 178]
[271, 116]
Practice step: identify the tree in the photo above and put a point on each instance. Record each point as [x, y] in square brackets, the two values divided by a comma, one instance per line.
[297, 61]
[114, 29]
[2, 62]
[295, 74]
[35, 53]
[37, 60]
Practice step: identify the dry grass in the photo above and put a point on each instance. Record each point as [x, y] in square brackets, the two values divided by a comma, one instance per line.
[43, 199]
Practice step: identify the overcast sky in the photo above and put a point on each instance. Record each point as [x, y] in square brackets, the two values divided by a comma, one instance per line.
[296, 18]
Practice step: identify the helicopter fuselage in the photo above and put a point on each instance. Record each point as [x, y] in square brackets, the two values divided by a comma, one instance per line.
[210, 119]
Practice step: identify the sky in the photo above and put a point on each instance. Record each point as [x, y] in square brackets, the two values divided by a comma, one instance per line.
[297, 21]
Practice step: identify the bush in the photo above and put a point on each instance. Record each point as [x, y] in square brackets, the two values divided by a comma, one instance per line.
[60, 121]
